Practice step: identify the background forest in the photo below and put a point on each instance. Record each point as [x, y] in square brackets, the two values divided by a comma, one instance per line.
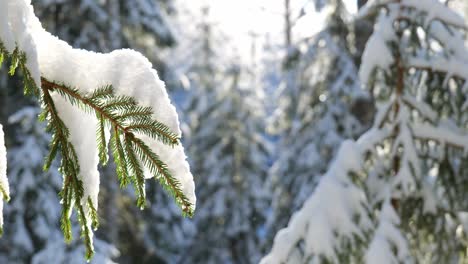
[266, 91]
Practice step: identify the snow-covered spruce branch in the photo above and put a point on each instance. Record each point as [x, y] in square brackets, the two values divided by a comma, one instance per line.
[311, 230]
[397, 195]
[126, 118]
[124, 102]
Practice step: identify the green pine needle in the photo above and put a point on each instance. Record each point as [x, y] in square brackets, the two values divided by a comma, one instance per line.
[2, 57]
[93, 214]
[101, 140]
[54, 147]
[14, 62]
[5, 196]
[65, 222]
[86, 232]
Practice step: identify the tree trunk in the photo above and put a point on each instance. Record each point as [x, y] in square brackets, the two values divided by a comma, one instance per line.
[287, 23]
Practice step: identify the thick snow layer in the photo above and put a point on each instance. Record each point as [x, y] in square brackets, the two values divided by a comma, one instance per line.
[3, 172]
[6, 34]
[16, 31]
[129, 72]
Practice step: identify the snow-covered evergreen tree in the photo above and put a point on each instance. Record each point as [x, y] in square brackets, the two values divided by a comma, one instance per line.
[315, 112]
[224, 115]
[231, 176]
[108, 25]
[398, 193]
[123, 112]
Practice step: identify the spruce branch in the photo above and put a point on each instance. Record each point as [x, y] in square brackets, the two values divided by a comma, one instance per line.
[18, 60]
[128, 120]
[72, 191]
[161, 172]
[110, 110]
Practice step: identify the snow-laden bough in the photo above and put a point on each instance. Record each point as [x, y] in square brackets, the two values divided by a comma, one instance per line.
[69, 75]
